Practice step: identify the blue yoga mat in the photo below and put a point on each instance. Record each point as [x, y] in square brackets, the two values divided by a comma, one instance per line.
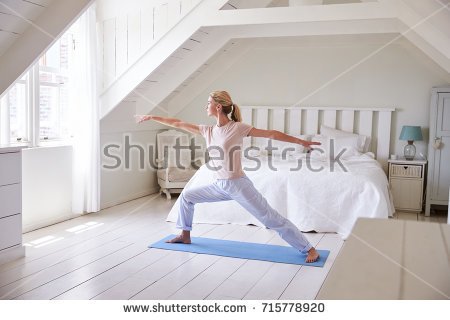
[244, 250]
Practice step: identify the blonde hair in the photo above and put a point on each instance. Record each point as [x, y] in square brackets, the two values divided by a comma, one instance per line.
[224, 99]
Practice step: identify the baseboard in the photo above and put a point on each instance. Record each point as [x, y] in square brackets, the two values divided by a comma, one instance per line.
[48, 222]
[126, 198]
[130, 197]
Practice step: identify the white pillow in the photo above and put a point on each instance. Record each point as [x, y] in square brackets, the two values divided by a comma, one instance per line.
[347, 144]
[288, 148]
[363, 141]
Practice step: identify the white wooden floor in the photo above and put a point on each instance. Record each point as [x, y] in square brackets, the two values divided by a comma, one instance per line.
[105, 256]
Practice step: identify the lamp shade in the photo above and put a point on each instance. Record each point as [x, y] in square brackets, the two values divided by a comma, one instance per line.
[411, 133]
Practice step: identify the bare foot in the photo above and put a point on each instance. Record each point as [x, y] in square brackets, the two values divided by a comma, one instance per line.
[180, 239]
[313, 255]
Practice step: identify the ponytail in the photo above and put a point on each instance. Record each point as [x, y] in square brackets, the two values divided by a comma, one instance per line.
[235, 113]
[228, 107]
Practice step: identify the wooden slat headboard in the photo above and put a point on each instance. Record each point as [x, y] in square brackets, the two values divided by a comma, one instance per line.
[372, 122]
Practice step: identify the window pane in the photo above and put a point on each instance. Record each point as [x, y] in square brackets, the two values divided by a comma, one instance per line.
[49, 112]
[46, 76]
[17, 99]
[54, 112]
[53, 92]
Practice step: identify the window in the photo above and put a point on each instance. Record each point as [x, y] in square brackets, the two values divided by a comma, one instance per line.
[52, 88]
[54, 108]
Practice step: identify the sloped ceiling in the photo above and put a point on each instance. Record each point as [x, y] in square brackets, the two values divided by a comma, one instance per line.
[15, 16]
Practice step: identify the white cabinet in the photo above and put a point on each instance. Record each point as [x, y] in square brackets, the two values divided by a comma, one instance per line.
[406, 179]
[10, 204]
[438, 179]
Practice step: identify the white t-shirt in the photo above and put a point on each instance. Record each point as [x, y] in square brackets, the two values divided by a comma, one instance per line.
[224, 146]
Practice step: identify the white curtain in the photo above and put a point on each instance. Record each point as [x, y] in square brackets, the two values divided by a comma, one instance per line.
[85, 116]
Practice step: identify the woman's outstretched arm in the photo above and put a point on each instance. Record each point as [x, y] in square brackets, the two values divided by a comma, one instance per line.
[172, 122]
[277, 135]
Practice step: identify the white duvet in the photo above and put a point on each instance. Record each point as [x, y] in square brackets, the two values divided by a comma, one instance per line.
[328, 200]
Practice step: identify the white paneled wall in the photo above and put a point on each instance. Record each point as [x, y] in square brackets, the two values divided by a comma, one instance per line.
[127, 31]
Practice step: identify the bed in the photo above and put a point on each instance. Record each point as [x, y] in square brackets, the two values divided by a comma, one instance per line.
[326, 200]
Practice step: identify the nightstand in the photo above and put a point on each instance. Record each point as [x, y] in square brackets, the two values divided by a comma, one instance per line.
[406, 179]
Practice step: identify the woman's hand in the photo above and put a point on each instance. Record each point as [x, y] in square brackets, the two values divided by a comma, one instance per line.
[142, 118]
[308, 144]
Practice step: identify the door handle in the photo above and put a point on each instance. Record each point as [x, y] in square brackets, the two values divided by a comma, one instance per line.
[437, 143]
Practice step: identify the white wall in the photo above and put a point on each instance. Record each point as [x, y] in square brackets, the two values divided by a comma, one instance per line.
[289, 71]
[124, 184]
[46, 186]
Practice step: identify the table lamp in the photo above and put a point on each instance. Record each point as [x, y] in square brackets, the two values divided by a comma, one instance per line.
[411, 134]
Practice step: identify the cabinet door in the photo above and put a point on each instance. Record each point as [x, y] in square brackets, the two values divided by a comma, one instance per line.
[10, 200]
[442, 155]
[10, 168]
[10, 231]
[407, 193]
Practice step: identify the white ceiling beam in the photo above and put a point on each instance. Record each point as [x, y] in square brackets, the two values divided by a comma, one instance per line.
[315, 28]
[244, 4]
[422, 27]
[261, 16]
[37, 38]
[417, 27]
[431, 51]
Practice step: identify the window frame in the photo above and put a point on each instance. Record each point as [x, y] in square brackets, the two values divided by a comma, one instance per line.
[5, 114]
[31, 79]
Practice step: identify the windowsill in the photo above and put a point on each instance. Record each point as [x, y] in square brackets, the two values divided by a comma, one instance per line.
[42, 144]
[21, 145]
[54, 143]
